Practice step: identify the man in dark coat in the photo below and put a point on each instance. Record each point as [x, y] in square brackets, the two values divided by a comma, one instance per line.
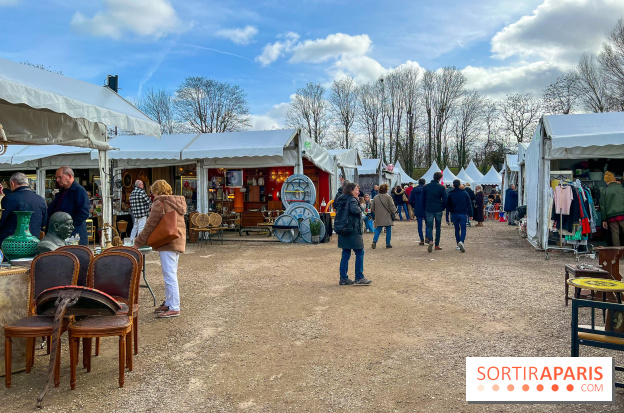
[349, 215]
[22, 198]
[415, 200]
[511, 204]
[472, 196]
[434, 203]
[72, 199]
[459, 206]
[374, 191]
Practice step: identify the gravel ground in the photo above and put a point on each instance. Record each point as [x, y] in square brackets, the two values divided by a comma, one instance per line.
[265, 327]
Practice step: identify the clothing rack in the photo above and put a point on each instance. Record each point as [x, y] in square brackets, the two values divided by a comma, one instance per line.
[563, 182]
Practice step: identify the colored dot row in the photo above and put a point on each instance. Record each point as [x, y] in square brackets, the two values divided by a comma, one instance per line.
[525, 387]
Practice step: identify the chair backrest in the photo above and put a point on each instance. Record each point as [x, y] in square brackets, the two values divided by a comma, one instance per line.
[115, 273]
[51, 269]
[137, 255]
[84, 255]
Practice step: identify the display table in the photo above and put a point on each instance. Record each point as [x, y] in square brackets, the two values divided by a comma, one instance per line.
[14, 288]
[582, 271]
[599, 285]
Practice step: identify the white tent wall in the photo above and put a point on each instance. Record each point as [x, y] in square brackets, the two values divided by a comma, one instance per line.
[534, 166]
[345, 164]
[510, 168]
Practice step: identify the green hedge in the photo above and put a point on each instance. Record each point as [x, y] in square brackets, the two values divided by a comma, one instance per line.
[418, 172]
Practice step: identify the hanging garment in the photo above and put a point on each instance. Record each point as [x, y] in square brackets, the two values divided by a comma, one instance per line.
[563, 199]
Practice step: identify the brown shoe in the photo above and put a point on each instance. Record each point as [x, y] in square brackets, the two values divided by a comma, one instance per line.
[438, 248]
[162, 309]
[168, 314]
[421, 243]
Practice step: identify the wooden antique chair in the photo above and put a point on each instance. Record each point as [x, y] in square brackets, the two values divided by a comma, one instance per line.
[124, 308]
[117, 274]
[199, 225]
[47, 270]
[85, 256]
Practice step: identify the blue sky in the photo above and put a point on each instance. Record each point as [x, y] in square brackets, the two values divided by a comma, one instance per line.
[270, 48]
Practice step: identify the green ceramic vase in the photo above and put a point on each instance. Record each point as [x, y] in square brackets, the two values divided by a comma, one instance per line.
[22, 243]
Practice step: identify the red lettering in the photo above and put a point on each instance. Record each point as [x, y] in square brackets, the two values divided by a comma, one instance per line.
[488, 373]
[569, 373]
[480, 372]
[558, 372]
[598, 371]
[532, 372]
[506, 371]
[581, 373]
[516, 368]
[546, 373]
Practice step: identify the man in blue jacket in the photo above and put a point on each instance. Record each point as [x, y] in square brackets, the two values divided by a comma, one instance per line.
[22, 198]
[415, 200]
[72, 199]
[511, 204]
[434, 202]
[460, 206]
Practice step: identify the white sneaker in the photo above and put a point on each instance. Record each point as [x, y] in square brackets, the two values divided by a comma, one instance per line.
[460, 246]
[457, 248]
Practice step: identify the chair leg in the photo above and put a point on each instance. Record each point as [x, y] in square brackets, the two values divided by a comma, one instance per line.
[122, 359]
[97, 346]
[87, 348]
[48, 344]
[73, 361]
[30, 346]
[129, 351]
[8, 350]
[135, 332]
[57, 365]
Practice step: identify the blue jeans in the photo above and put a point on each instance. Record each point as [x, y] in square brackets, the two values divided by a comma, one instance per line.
[438, 226]
[388, 234]
[403, 206]
[359, 264]
[369, 224]
[420, 227]
[460, 221]
[447, 216]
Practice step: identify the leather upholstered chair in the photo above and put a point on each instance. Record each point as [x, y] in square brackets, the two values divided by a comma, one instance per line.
[85, 256]
[47, 270]
[124, 308]
[116, 274]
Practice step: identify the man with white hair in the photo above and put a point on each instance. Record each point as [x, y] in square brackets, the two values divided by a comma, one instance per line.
[139, 207]
[73, 199]
[22, 198]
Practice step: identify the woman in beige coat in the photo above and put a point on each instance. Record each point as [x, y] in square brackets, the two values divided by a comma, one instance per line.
[384, 209]
[169, 253]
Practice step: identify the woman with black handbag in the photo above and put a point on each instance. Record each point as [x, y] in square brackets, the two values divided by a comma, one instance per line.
[165, 232]
[348, 226]
[385, 214]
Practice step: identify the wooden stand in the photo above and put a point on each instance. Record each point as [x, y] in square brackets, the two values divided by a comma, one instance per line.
[13, 306]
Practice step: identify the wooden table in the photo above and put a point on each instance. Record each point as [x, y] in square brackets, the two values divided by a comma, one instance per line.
[598, 284]
[582, 271]
[14, 286]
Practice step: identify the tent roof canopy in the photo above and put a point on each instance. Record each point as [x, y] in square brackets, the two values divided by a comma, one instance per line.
[463, 176]
[369, 167]
[168, 147]
[473, 171]
[491, 178]
[428, 176]
[346, 158]
[38, 107]
[448, 177]
[591, 135]
[402, 175]
[512, 162]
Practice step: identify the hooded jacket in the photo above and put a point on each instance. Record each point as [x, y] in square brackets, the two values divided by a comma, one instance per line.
[397, 196]
[161, 205]
[354, 240]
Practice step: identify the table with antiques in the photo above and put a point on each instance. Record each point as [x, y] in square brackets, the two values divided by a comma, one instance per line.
[14, 285]
[582, 271]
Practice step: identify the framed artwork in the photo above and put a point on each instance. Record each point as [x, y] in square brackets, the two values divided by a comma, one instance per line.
[234, 178]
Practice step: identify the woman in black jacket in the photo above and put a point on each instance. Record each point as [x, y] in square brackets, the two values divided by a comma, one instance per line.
[349, 220]
[397, 196]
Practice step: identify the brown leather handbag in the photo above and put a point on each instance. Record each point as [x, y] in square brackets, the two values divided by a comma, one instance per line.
[165, 232]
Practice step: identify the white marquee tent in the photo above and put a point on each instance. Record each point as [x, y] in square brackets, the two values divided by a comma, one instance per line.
[400, 176]
[490, 178]
[346, 163]
[448, 177]
[463, 176]
[428, 176]
[473, 171]
[594, 135]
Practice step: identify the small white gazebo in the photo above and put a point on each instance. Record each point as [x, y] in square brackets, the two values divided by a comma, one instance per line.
[428, 176]
[491, 178]
[473, 171]
[448, 177]
[463, 176]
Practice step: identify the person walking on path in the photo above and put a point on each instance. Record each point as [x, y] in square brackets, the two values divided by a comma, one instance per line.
[479, 205]
[471, 194]
[374, 191]
[415, 200]
[165, 202]
[368, 215]
[408, 191]
[511, 204]
[460, 206]
[434, 202]
[73, 199]
[139, 208]
[384, 210]
[612, 207]
[397, 196]
[449, 188]
[349, 218]
[22, 198]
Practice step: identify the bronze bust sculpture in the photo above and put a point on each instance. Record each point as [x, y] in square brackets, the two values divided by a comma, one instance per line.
[61, 226]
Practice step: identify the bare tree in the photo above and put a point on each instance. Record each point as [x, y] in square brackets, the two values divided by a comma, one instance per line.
[561, 95]
[209, 106]
[406, 147]
[520, 114]
[612, 60]
[467, 124]
[428, 92]
[158, 105]
[308, 110]
[343, 101]
[369, 115]
[592, 87]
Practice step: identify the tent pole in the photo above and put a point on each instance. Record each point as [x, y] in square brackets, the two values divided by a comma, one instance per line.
[107, 202]
[41, 176]
[202, 187]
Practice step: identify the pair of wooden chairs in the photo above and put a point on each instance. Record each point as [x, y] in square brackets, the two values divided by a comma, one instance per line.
[117, 273]
[208, 225]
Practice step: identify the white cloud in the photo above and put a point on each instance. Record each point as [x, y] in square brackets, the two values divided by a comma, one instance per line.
[559, 30]
[240, 36]
[8, 3]
[333, 46]
[145, 18]
[273, 51]
[272, 119]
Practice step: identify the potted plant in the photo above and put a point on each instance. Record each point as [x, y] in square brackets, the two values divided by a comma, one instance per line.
[315, 230]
